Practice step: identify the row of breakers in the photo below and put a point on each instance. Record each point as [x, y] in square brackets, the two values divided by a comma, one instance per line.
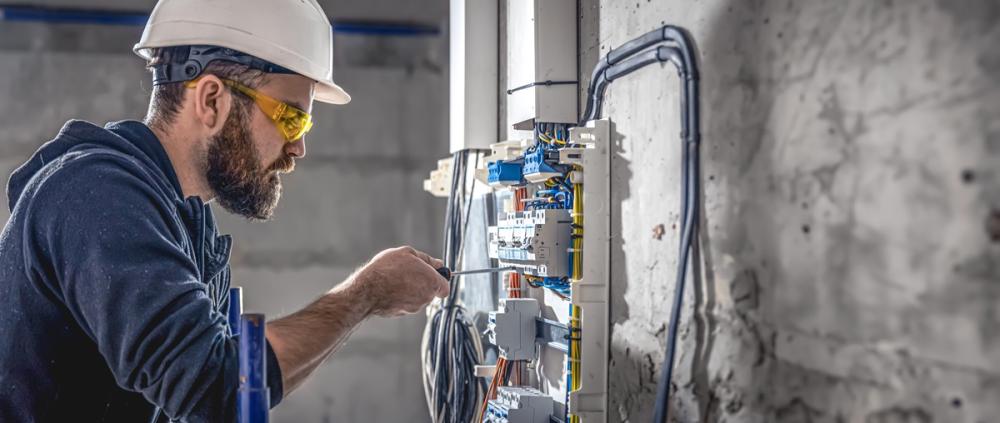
[536, 242]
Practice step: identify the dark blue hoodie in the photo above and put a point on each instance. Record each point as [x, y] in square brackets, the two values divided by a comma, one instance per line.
[113, 288]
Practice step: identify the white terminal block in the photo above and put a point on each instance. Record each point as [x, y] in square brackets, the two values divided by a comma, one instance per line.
[519, 404]
[512, 328]
[536, 242]
[507, 150]
[439, 181]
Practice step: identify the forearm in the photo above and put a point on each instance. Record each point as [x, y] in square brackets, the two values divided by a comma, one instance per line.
[304, 339]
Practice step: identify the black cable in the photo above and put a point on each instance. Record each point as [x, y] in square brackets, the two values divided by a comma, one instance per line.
[667, 33]
[453, 356]
[621, 62]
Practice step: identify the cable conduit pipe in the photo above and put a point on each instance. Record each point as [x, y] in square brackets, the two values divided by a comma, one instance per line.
[618, 63]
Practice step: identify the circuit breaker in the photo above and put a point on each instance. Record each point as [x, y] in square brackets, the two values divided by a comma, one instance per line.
[536, 242]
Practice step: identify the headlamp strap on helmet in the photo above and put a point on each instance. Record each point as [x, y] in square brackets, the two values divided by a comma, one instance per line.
[185, 67]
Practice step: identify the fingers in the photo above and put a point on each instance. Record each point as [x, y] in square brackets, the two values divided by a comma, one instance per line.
[443, 288]
[408, 280]
[435, 263]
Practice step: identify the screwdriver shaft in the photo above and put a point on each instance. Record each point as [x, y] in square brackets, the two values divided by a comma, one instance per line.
[490, 270]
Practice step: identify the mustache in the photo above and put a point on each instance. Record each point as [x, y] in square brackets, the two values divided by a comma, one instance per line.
[284, 164]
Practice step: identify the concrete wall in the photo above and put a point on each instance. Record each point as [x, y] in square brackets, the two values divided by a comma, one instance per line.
[851, 239]
[340, 207]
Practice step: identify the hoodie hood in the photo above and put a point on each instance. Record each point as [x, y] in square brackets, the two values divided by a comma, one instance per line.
[128, 137]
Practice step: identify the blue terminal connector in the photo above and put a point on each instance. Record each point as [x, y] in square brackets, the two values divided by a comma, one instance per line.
[495, 413]
[505, 173]
[536, 168]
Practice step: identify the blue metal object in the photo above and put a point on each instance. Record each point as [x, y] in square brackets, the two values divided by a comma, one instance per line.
[254, 397]
[71, 16]
[235, 309]
[382, 28]
[123, 18]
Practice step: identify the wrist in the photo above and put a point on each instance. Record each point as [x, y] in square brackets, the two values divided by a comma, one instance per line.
[357, 289]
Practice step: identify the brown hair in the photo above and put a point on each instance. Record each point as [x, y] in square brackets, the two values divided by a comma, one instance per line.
[167, 99]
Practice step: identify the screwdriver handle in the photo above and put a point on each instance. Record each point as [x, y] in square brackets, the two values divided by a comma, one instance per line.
[444, 272]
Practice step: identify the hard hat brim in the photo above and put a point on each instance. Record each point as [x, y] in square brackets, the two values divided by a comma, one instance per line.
[329, 92]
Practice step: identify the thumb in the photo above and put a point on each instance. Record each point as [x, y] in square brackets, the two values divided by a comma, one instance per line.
[443, 287]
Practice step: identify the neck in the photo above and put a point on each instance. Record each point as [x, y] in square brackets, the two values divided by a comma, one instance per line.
[185, 159]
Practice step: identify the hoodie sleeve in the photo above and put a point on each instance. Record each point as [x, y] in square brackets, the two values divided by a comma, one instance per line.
[106, 242]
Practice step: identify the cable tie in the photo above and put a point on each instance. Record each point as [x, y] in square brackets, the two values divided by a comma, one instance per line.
[540, 83]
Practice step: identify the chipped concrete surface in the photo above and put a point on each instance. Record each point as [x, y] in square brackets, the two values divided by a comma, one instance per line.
[850, 268]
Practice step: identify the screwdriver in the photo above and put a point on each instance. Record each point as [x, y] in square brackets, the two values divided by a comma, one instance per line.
[448, 273]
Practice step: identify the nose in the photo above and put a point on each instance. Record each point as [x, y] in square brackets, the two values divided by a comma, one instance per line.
[296, 149]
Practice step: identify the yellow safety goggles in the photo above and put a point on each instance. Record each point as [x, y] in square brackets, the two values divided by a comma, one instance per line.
[292, 122]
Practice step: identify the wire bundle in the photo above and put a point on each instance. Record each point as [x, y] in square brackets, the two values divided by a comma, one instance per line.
[451, 346]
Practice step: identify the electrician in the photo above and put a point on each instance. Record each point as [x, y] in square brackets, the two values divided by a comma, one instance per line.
[113, 278]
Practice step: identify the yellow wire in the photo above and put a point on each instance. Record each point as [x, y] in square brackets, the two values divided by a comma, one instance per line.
[577, 274]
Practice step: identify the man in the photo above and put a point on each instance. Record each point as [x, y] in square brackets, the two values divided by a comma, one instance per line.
[113, 279]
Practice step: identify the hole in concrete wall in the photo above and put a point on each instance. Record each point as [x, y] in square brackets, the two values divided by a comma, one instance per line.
[805, 229]
[956, 402]
[658, 232]
[968, 176]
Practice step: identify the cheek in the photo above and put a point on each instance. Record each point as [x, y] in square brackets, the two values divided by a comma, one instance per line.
[267, 139]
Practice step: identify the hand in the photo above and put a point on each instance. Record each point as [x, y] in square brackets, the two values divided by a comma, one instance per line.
[401, 281]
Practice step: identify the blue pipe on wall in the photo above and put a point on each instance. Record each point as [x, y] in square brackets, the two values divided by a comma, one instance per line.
[107, 17]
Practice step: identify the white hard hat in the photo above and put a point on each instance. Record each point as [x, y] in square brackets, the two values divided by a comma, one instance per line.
[294, 34]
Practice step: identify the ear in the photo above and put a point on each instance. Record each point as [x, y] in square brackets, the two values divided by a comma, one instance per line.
[212, 101]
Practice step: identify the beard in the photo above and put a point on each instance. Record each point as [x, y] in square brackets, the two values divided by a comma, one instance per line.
[234, 173]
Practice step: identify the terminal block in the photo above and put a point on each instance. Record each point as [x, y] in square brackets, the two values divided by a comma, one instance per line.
[536, 169]
[519, 404]
[536, 242]
[504, 173]
[512, 328]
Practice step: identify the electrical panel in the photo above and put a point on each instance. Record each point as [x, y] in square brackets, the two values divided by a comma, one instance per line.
[546, 193]
[548, 206]
[552, 229]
